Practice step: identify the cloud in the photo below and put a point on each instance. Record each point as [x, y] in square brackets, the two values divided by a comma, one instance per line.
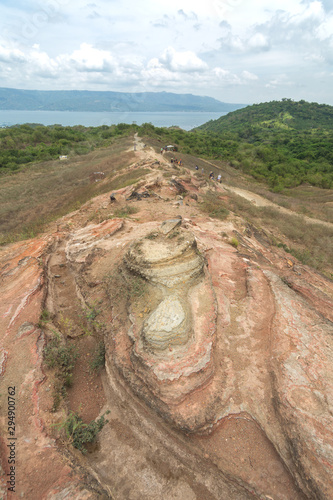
[225, 77]
[187, 17]
[241, 51]
[325, 29]
[247, 75]
[10, 55]
[186, 61]
[258, 41]
[87, 58]
[94, 15]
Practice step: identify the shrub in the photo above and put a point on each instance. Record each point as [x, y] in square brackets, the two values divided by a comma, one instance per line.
[98, 360]
[234, 242]
[78, 433]
[62, 358]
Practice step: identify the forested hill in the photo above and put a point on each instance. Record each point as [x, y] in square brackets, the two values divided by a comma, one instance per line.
[285, 114]
[84, 100]
[284, 143]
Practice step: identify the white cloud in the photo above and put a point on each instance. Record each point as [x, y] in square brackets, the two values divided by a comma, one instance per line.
[225, 77]
[216, 47]
[325, 30]
[247, 75]
[258, 41]
[186, 61]
[88, 58]
[10, 55]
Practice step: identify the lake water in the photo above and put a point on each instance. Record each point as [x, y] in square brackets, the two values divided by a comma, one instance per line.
[185, 120]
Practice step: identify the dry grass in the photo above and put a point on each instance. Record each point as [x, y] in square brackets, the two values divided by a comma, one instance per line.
[310, 243]
[305, 199]
[43, 192]
[213, 206]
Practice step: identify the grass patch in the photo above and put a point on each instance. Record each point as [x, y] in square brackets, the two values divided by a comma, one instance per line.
[125, 180]
[234, 242]
[213, 206]
[152, 236]
[44, 318]
[125, 211]
[137, 286]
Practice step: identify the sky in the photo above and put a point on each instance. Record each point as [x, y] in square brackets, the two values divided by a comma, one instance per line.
[237, 51]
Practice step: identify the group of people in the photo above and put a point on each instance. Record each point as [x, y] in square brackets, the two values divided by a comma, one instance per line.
[177, 162]
[219, 177]
[211, 174]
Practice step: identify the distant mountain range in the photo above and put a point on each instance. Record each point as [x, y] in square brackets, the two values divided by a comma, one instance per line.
[84, 100]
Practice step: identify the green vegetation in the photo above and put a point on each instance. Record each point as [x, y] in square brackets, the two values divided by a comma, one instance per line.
[24, 144]
[78, 433]
[282, 143]
[98, 360]
[61, 357]
[125, 211]
[234, 242]
[89, 322]
[44, 318]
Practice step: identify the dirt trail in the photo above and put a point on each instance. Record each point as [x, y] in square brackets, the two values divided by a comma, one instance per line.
[260, 201]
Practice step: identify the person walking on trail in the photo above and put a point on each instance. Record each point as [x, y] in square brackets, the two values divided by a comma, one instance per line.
[196, 167]
[211, 175]
[219, 178]
[202, 170]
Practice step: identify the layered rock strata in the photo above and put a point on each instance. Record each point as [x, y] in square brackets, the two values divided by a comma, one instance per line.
[234, 349]
[172, 350]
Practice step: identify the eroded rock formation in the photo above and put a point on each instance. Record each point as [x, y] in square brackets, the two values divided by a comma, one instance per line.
[172, 350]
[219, 361]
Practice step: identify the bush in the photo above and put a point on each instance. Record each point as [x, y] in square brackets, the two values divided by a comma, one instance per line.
[98, 361]
[79, 433]
[62, 358]
[234, 242]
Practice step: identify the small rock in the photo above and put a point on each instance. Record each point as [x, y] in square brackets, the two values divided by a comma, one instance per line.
[25, 329]
[169, 225]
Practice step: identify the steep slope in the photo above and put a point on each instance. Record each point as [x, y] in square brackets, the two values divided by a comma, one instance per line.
[284, 143]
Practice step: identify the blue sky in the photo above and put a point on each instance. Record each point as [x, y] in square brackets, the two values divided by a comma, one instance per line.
[243, 51]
